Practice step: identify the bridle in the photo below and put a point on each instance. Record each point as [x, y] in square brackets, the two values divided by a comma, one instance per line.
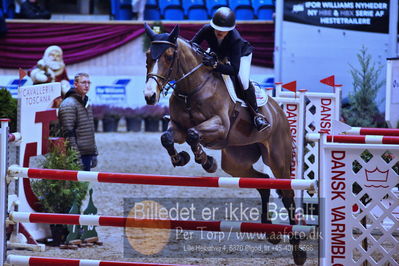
[164, 80]
[167, 84]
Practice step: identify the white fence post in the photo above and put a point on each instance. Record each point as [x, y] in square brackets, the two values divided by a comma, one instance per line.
[359, 205]
[3, 187]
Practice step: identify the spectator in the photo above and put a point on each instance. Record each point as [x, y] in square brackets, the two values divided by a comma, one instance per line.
[77, 123]
[31, 9]
[138, 7]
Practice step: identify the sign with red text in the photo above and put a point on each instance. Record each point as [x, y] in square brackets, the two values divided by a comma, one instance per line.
[36, 104]
[36, 112]
[358, 200]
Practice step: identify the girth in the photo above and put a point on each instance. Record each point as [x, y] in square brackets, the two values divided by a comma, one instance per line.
[187, 97]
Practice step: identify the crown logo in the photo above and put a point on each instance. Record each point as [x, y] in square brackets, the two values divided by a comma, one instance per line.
[376, 175]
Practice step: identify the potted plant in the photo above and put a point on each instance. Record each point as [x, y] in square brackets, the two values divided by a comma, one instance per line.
[98, 114]
[152, 115]
[111, 118]
[133, 117]
[8, 108]
[58, 196]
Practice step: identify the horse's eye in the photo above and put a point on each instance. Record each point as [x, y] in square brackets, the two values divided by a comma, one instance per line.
[169, 57]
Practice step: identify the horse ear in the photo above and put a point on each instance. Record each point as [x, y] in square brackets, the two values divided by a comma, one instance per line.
[149, 31]
[174, 34]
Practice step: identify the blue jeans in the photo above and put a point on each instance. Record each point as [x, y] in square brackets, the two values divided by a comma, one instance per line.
[86, 161]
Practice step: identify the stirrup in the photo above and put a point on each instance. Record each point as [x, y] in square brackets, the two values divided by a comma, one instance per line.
[260, 122]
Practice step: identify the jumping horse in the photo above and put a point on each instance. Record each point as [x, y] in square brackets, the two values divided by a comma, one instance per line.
[203, 114]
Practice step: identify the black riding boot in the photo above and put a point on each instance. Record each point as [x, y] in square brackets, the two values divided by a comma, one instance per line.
[250, 99]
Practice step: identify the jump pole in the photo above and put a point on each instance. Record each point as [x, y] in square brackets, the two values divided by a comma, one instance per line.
[18, 260]
[117, 221]
[372, 131]
[356, 139]
[161, 180]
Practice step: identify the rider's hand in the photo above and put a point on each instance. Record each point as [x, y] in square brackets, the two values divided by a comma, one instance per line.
[210, 61]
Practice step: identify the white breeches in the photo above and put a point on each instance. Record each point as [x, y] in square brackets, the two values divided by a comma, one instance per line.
[245, 69]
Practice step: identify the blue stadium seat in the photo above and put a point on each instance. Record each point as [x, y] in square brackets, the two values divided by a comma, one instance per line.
[8, 8]
[173, 13]
[152, 13]
[212, 5]
[151, 3]
[265, 13]
[163, 4]
[264, 9]
[244, 13]
[195, 9]
[242, 9]
[197, 13]
[121, 9]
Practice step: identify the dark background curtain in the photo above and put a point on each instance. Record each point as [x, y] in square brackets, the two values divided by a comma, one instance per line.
[25, 43]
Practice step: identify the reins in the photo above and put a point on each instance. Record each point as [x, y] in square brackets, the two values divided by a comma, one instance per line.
[167, 85]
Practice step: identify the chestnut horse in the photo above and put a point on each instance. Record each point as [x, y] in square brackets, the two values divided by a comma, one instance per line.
[203, 114]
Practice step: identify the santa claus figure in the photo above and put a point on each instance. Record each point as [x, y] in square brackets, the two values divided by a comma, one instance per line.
[51, 68]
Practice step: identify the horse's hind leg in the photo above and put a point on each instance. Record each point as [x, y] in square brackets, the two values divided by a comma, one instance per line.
[280, 166]
[168, 138]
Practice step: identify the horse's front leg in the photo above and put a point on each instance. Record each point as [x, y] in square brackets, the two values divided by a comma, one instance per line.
[168, 138]
[209, 131]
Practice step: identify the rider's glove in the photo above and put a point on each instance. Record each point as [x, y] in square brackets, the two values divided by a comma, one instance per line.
[210, 61]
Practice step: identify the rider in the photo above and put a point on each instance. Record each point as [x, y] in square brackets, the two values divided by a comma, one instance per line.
[225, 41]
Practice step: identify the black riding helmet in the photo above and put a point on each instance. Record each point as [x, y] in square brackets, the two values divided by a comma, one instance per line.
[223, 19]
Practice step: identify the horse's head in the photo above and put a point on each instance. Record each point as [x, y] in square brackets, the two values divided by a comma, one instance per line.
[161, 59]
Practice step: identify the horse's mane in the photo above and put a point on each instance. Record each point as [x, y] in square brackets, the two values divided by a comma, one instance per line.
[197, 50]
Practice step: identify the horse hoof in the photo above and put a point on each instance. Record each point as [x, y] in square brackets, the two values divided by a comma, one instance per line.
[211, 165]
[299, 256]
[184, 158]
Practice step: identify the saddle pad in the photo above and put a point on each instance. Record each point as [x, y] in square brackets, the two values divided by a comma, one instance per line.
[261, 96]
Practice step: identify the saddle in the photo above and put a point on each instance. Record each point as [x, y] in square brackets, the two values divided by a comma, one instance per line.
[261, 96]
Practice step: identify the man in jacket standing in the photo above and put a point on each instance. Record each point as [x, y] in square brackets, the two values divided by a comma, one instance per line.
[76, 118]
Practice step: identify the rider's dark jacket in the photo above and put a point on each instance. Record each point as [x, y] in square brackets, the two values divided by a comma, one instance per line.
[233, 47]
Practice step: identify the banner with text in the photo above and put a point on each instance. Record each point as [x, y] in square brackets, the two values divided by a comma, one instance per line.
[350, 15]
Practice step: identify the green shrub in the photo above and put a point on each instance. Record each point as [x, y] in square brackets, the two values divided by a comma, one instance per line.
[362, 109]
[8, 108]
[57, 196]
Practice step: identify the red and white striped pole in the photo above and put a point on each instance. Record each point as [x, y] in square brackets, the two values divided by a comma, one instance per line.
[363, 139]
[14, 137]
[116, 221]
[163, 180]
[356, 139]
[18, 260]
[373, 131]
